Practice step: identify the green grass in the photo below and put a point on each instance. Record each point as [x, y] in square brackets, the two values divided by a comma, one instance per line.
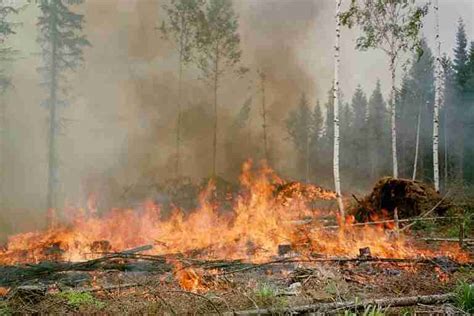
[267, 295]
[5, 310]
[80, 299]
[464, 298]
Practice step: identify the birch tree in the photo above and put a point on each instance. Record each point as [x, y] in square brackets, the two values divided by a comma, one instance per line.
[183, 18]
[62, 43]
[392, 26]
[337, 178]
[219, 52]
[438, 99]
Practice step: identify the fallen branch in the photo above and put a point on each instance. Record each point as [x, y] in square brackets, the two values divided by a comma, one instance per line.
[447, 239]
[404, 220]
[429, 212]
[353, 305]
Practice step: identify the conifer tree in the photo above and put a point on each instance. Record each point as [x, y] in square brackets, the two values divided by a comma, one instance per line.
[6, 57]
[379, 133]
[62, 43]
[359, 132]
[299, 126]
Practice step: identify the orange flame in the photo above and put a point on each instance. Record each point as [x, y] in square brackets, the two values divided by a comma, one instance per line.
[263, 217]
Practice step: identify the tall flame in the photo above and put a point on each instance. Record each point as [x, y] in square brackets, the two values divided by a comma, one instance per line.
[262, 219]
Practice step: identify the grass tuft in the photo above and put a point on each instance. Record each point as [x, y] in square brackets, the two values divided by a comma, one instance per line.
[464, 298]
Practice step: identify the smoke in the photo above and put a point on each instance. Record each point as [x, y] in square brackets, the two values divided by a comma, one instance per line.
[119, 130]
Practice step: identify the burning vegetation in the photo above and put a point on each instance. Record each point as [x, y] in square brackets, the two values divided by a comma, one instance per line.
[278, 239]
[266, 213]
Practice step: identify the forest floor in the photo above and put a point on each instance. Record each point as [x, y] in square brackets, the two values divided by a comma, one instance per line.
[132, 283]
[133, 286]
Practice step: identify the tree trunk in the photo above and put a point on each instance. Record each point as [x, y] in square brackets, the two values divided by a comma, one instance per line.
[3, 131]
[446, 156]
[307, 158]
[393, 118]
[337, 179]
[264, 118]
[437, 103]
[216, 82]
[417, 145]
[178, 120]
[52, 159]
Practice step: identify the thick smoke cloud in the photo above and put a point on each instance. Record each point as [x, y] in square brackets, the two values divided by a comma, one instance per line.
[119, 130]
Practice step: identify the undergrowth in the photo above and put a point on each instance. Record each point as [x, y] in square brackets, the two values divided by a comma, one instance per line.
[80, 299]
[464, 298]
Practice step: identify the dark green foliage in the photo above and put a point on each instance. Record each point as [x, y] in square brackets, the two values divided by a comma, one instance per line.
[461, 55]
[378, 126]
[299, 126]
[61, 40]
[416, 98]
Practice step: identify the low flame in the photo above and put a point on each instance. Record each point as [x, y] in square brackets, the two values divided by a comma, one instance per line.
[265, 215]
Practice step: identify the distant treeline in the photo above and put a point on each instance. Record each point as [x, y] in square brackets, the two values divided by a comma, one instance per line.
[365, 126]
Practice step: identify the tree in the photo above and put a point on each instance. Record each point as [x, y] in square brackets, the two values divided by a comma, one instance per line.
[359, 133]
[377, 124]
[337, 59]
[299, 127]
[447, 123]
[438, 100]
[264, 116]
[415, 102]
[219, 52]
[392, 26]
[6, 57]
[316, 144]
[62, 48]
[461, 74]
[461, 55]
[183, 18]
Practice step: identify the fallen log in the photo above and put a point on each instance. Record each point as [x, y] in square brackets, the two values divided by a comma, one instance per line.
[352, 305]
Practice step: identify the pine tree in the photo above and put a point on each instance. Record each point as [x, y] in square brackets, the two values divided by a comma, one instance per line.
[460, 62]
[461, 55]
[447, 124]
[219, 52]
[415, 102]
[62, 43]
[379, 133]
[317, 145]
[299, 126]
[359, 133]
[6, 57]
[183, 18]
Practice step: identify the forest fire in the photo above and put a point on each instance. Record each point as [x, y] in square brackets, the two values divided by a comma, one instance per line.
[262, 219]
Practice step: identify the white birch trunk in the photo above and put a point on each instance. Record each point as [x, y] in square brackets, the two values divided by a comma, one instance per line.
[337, 179]
[417, 145]
[393, 119]
[437, 103]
